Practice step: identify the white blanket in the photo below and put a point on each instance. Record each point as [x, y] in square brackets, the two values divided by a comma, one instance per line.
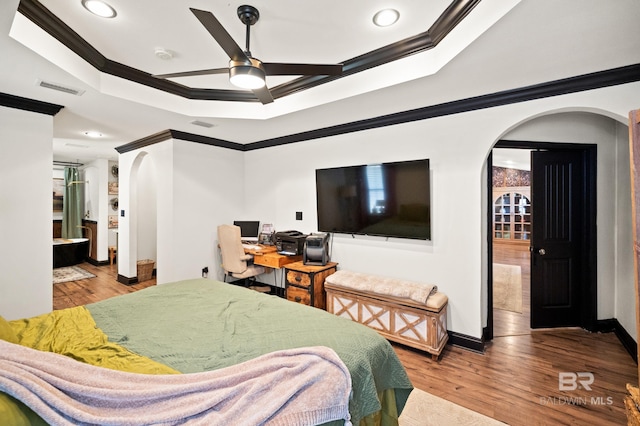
[384, 286]
[304, 386]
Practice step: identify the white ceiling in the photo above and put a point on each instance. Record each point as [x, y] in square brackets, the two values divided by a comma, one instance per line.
[500, 45]
[510, 158]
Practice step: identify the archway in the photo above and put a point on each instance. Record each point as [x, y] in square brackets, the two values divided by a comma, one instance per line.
[138, 221]
[610, 138]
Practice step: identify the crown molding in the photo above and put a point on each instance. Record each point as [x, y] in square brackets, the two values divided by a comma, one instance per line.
[176, 134]
[26, 104]
[596, 80]
[46, 20]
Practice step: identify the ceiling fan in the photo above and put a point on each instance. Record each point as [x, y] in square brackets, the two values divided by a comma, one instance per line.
[244, 70]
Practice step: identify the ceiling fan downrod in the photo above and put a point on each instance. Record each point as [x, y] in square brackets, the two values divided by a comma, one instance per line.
[248, 15]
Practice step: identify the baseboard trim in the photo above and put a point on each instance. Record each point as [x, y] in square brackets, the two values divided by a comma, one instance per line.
[613, 325]
[95, 262]
[126, 280]
[486, 335]
[467, 342]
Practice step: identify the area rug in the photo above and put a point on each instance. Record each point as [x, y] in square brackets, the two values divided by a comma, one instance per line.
[424, 409]
[70, 273]
[507, 287]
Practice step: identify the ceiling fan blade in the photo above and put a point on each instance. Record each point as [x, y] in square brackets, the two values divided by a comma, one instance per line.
[221, 35]
[272, 68]
[194, 73]
[264, 95]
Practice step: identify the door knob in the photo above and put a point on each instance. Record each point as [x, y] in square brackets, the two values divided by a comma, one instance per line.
[542, 252]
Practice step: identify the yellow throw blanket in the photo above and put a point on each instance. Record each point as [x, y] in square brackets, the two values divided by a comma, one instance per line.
[303, 386]
[74, 333]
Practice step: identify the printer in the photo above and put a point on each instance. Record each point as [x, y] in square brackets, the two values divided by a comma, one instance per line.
[316, 249]
[290, 243]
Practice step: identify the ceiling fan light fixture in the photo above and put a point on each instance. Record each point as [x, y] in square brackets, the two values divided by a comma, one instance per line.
[386, 17]
[247, 76]
[99, 8]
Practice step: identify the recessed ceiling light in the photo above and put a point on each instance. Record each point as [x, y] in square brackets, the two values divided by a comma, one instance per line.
[93, 134]
[386, 17]
[99, 8]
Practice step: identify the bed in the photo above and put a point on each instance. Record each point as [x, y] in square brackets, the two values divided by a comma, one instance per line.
[203, 325]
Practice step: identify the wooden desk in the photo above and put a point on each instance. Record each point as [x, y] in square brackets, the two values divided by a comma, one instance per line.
[268, 257]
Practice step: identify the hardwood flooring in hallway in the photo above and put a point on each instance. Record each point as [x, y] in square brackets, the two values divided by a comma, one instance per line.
[507, 323]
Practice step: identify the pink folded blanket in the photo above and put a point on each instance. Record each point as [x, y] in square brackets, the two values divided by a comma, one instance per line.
[304, 386]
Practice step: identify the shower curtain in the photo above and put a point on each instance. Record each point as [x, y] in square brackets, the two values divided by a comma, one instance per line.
[72, 204]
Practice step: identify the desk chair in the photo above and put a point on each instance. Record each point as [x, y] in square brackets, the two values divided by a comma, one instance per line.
[234, 261]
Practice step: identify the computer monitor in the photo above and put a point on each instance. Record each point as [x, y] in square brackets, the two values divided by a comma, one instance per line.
[249, 229]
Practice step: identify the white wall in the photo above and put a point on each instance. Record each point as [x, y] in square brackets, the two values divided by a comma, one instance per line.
[209, 190]
[198, 187]
[457, 147]
[147, 210]
[25, 213]
[625, 295]
[97, 206]
[91, 176]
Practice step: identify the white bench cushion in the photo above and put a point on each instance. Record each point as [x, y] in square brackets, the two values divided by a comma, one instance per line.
[385, 286]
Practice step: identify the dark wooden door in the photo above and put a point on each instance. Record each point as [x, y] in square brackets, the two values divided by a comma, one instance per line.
[557, 184]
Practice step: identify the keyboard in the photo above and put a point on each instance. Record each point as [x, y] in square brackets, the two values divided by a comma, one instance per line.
[251, 246]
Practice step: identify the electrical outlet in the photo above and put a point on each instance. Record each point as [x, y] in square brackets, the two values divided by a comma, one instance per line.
[205, 271]
[298, 215]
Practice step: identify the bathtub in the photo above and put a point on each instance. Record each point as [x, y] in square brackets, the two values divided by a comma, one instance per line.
[67, 252]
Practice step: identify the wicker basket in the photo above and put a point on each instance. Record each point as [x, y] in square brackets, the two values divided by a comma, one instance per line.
[145, 269]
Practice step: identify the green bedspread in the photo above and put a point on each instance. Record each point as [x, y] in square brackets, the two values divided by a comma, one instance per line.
[201, 325]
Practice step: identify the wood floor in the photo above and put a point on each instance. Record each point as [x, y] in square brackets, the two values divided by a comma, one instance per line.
[514, 381]
[103, 286]
[506, 323]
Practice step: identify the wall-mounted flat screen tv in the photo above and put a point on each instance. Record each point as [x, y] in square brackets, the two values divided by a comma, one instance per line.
[387, 199]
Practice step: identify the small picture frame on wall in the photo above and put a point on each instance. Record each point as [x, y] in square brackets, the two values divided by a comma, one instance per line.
[113, 188]
[113, 221]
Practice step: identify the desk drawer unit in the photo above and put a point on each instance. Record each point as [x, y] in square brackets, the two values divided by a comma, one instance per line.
[305, 283]
[298, 278]
[299, 295]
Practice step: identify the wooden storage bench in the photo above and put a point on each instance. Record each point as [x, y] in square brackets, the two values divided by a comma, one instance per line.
[400, 319]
